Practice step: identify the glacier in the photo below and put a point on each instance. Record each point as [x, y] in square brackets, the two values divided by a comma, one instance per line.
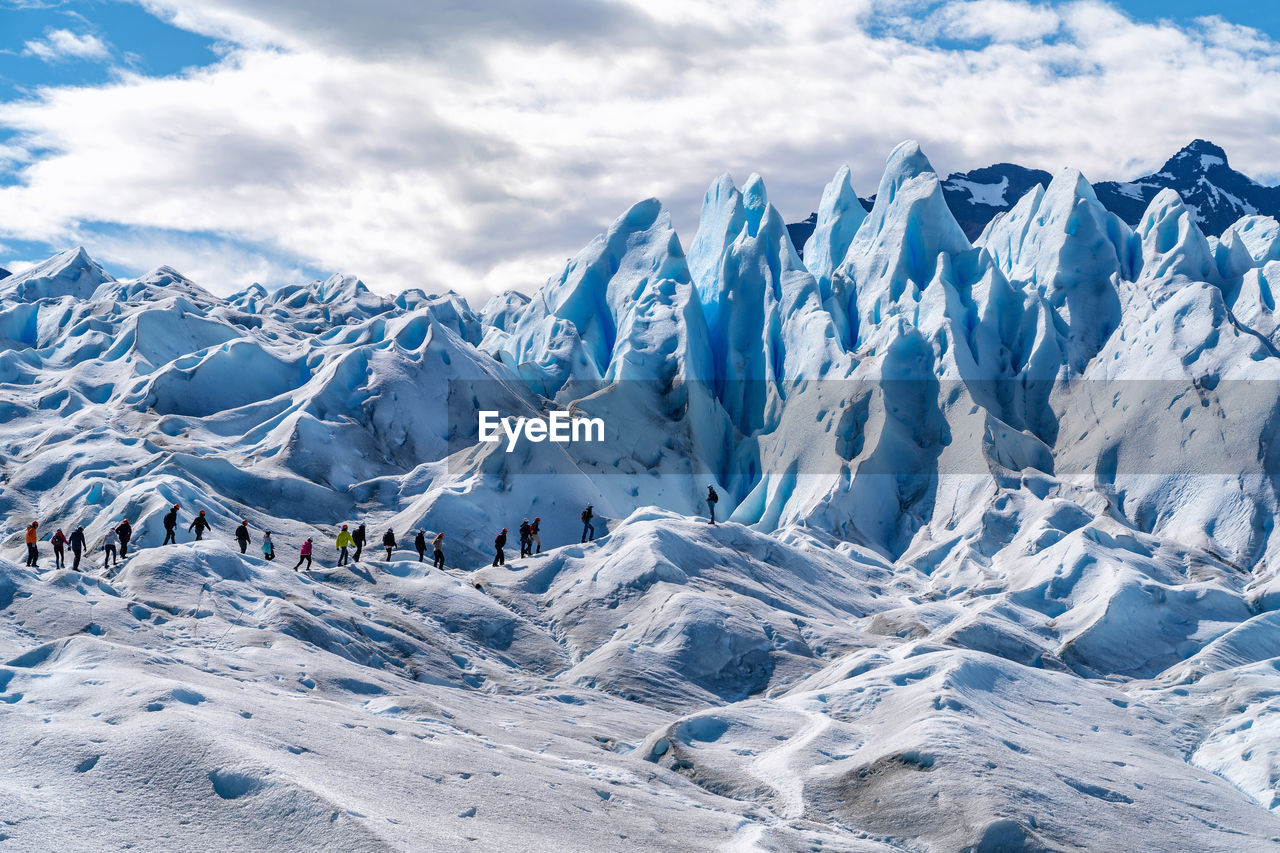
[997, 570]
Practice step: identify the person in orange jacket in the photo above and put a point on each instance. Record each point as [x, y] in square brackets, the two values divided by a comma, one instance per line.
[33, 537]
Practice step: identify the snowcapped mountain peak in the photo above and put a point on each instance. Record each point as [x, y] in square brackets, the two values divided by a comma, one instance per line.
[906, 162]
[1200, 155]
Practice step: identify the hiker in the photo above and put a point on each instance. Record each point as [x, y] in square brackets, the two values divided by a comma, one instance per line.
[344, 542]
[33, 551]
[268, 547]
[125, 531]
[77, 546]
[438, 545]
[359, 539]
[304, 554]
[242, 535]
[534, 533]
[712, 499]
[389, 542]
[500, 542]
[200, 525]
[587, 526]
[109, 543]
[526, 540]
[420, 542]
[59, 544]
[170, 523]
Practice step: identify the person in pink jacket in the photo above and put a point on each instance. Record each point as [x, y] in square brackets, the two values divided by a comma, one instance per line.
[305, 555]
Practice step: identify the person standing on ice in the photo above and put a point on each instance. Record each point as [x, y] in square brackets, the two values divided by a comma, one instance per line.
[535, 536]
[33, 550]
[170, 524]
[359, 538]
[268, 547]
[344, 542]
[242, 535]
[587, 526]
[420, 542]
[500, 542]
[304, 554]
[109, 543]
[77, 547]
[59, 541]
[526, 539]
[200, 525]
[125, 531]
[712, 500]
[438, 545]
[389, 542]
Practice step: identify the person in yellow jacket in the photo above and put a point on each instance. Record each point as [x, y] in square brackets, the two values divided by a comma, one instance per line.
[33, 536]
[344, 542]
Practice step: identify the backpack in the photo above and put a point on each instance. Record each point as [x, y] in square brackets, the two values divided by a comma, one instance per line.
[586, 515]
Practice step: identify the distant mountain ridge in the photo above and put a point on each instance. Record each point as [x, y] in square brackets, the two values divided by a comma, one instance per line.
[1200, 173]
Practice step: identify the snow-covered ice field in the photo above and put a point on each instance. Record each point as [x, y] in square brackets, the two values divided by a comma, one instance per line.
[998, 570]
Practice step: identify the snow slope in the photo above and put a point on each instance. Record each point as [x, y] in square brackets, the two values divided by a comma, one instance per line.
[997, 571]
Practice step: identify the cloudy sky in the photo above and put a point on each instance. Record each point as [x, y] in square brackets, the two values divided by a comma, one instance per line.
[475, 145]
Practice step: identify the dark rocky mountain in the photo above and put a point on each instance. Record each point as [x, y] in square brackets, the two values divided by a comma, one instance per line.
[1214, 192]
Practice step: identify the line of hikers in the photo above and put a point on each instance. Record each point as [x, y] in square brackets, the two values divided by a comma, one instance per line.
[115, 543]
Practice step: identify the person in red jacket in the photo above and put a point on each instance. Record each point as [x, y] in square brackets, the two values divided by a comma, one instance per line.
[305, 555]
[59, 541]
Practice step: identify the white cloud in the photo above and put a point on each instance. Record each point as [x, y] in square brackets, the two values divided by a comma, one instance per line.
[61, 45]
[496, 150]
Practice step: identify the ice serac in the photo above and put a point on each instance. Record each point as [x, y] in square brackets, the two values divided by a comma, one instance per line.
[894, 254]
[1061, 244]
[839, 216]
[1174, 249]
[570, 329]
[71, 273]
[764, 313]
[502, 311]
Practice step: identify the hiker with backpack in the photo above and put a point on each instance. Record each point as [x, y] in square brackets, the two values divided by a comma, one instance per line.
[526, 539]
[500, 542]
[420, 543]
[438, 545]
[242, 535]
[33, 549]
[389, 542]
[268, 547]
[125, 531]
[170, 524]
[535, 536]
[59, 546]
[712, 500]
[358, 538]
[587, 526]
[199, 525]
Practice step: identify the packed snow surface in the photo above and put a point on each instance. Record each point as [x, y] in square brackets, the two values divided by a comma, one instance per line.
[994, 569]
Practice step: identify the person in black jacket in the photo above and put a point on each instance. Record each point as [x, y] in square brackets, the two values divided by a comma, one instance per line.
[526, 540]
[170, 523]
[242, 535]
[587, 527]
[535, 533]
[712, 499]
[200, 525]
[77, 547]
[358, 539]
[389, 542]
[500, 542]
[125, 531]
[420, 542]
